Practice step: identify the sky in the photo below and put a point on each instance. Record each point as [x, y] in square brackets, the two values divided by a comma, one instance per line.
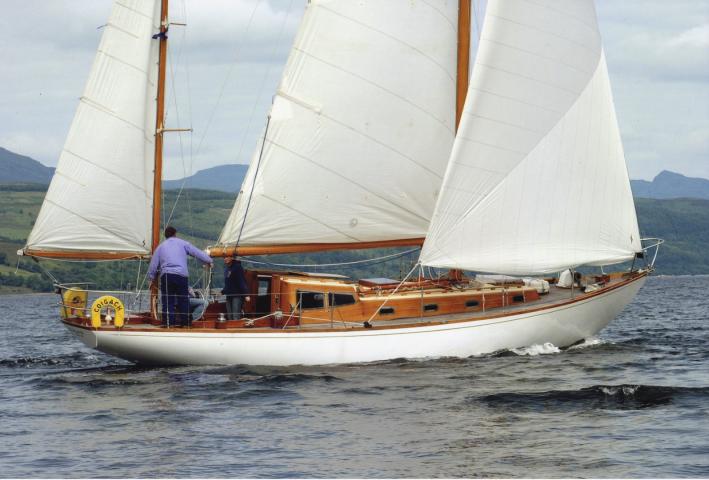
[227, 61]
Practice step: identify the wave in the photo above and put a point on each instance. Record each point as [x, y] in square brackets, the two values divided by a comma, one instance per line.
[271, 375]
[534, 350]
[287, 379]
[624, 396]
[76, 359]
[586, 343]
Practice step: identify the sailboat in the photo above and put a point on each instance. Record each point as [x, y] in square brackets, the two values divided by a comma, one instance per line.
[378, 136]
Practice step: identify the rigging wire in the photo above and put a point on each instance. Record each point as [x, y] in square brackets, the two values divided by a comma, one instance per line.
[367, 324]
[268, 120]
[173, 75]
[228, 75]
[263, 82]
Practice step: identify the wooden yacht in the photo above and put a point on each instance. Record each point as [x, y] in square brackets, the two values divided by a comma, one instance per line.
[380, 135]
[328, 320]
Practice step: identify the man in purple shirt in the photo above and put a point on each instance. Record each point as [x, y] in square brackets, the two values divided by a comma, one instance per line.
[170, 260]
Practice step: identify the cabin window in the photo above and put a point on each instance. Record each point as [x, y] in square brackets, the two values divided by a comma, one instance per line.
[430, 307]
[386, 311]
[264, 285]
[518, 298]
[472, 303]
[311, 299]
[340, 299]
[263, 299]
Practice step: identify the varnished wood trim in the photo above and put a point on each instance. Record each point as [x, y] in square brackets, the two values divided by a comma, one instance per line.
[462, 79]
[84, 255]
[228, 251]
[159, 127]
[579, 298]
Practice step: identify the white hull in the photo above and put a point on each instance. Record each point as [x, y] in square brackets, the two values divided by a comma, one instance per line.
[561, 325]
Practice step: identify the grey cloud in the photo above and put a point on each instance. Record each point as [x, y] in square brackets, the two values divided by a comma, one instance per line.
[227, 70]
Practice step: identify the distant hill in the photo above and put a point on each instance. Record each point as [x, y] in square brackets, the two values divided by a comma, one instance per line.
[671, 185]
[19, 169]
[16, 168]
[684, 225]
[224, 178]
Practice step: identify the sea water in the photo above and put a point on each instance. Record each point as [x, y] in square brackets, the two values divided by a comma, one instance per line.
[633, 402]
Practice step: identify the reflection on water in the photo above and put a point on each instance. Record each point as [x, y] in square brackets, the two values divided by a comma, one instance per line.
[632, 402]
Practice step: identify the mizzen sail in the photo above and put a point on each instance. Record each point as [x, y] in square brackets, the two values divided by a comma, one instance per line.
[360, 130]
[100, 198]
[537, 180]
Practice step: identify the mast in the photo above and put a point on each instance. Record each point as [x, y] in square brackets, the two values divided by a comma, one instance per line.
[462, 79]
[159, 125]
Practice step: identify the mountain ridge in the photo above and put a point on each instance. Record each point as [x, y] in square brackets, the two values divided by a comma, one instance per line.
[668, 185]
[223, 178]
[16, 168]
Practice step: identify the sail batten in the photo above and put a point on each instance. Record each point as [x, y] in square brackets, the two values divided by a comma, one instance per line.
[537, 179]
[360, 130]
[100, 197]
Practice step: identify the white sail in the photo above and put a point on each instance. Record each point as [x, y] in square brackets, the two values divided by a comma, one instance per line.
[100, 198]
[360, 129]
[537, 180]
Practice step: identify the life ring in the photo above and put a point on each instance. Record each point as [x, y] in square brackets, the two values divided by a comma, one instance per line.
[107, 301]
[74, 303]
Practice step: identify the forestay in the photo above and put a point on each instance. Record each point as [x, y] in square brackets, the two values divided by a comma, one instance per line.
[537, 180]
[360, 130]
[100, 198]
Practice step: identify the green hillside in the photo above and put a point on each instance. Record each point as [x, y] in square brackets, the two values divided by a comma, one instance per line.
[200, 214]
[684, 225]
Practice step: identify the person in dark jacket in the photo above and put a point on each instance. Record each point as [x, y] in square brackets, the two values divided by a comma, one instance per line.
[235, 287]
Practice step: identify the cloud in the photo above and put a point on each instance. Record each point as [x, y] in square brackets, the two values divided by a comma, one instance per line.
[226, 65]
[697, 37]
[659, 67]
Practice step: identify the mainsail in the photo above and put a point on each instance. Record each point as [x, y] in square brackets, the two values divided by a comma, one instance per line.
[100, 199]
[537, 180]
[360, 130]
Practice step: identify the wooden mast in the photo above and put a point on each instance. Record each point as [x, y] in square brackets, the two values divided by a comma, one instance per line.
[159, 129]
[159, 125]
[462, 79]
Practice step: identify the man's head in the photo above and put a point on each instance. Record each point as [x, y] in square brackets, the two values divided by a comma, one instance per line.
[170, 231]
[228, 260]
